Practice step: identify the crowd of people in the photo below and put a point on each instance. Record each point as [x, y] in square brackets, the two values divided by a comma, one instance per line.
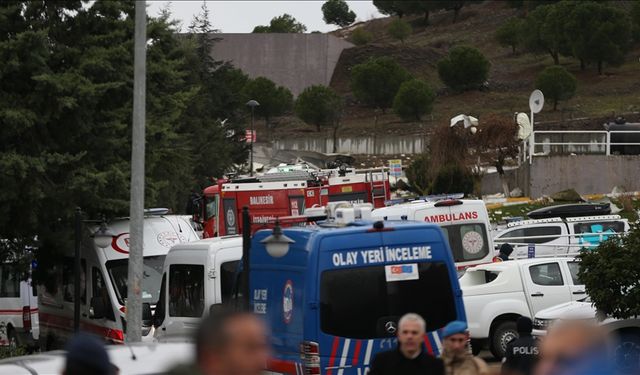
[237, 343]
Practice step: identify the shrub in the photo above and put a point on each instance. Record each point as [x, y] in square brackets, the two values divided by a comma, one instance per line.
[452, 178]
[399, 30]
[377, 81]
[509, 34]
[557, 84]
[413, 100]
[360, 37]
[465, 68]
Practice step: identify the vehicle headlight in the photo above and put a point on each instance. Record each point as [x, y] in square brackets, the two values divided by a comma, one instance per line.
[541, 324]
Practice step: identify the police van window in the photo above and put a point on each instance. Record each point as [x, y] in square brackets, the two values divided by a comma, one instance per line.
[547, 274]
[599, 227]
[552, 231]
[9, 281]
[574, 268]
[228, 273]
[467, 241]
[186, 290]
[99, 290]
[357, 303]
[151, 277]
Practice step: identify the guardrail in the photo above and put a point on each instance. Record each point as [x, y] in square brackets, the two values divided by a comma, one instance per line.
[568, 246]
[599, 141]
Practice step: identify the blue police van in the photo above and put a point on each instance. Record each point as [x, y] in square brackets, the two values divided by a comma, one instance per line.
[333, 299]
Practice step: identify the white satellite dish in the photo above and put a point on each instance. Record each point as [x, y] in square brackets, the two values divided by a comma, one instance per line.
[536, 101]
[524, 125]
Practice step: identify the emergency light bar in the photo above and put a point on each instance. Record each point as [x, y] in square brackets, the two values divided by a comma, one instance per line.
[441, 197]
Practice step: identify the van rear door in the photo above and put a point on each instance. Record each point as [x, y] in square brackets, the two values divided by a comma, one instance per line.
[363, 290]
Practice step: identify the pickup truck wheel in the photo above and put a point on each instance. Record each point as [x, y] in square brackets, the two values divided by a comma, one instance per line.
[502, 335]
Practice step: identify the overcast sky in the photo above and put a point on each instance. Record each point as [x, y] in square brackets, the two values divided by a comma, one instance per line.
[243, 16]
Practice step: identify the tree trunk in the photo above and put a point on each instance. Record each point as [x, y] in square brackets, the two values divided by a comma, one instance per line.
[600, 67]
[426, 18]
[556, 57]
[456, 11]
[555, 104]
[505, 185]
[582, 65]
[318, 128]
[513, 49]
[335, 137]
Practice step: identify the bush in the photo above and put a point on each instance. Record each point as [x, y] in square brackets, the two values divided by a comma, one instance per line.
[399, 30]
[557, 84]
[360, 37]
[318, 105]
[418, 174]
[413, 100]
[452, 178]
[465, 68]
[610, 275]
[377, 81]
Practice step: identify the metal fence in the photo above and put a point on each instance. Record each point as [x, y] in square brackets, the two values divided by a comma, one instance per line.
[596, 142]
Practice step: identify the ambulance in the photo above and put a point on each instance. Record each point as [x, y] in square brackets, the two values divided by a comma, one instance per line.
[103, 280]
[18, 308]
[465, 223]
[334, 294]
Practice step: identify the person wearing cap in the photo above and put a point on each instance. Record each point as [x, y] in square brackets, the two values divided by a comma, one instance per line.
[87, 355]
[455, 354]
[521, 354]
[409, 357]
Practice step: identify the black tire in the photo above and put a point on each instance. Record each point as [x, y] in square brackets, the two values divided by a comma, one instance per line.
[501, 335]
[476, 347]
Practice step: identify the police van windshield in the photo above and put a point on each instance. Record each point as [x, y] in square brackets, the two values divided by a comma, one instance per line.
[359, 302]
[151, 277]
[467, 241]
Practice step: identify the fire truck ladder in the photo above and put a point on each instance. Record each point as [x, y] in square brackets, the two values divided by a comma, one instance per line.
[378, 185]
[286, 176]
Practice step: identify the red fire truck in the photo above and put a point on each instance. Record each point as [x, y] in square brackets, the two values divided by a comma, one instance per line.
[285, 194]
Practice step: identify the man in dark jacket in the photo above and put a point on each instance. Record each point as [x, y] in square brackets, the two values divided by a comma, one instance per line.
[521, 354]
[409, 357]
[505, 251]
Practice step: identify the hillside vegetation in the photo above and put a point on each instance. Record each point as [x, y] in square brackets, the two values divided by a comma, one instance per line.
[511, 77]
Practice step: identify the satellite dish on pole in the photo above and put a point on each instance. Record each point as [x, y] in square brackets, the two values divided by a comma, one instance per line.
[536, 101]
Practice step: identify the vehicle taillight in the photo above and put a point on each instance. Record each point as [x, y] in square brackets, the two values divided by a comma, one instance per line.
[310, 355]
[26, 318]
[123, 309]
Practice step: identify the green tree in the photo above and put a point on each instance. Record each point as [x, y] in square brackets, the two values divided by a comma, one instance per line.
[610, 274]
[509, 34]
[391, 8]
[419, 174]
[285, 24]
[274, 100]
[399, 30]
[414, 99]
[376, 81]
[318, 105]
[635, 20]
[457, 5]
[545, 30]
[360, 36]
[465, 68]
[337, 12]
[451, 179]
[557, 84]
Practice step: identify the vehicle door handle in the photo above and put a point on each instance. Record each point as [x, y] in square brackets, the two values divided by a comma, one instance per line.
[579, 292]
[537, 294]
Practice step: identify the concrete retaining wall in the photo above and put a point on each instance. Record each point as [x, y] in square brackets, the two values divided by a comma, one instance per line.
[294, 61]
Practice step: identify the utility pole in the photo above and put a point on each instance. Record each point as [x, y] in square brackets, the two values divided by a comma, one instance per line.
[136, 208]
[76, 271]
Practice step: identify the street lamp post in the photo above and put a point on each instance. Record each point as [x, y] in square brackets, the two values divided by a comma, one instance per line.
[253, 104]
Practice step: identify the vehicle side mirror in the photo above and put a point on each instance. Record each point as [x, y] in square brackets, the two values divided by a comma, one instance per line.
[147, 316]
[97, 308]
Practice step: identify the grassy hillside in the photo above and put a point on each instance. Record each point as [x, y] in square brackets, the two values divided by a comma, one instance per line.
[510, 82]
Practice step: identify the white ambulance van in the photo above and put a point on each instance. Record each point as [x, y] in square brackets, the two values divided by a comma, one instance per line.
[465, 223]
[18, 308]
[196, 276]
[103, 285]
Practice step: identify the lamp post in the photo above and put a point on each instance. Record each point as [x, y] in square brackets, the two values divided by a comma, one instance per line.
[252, 104]
[277, 244]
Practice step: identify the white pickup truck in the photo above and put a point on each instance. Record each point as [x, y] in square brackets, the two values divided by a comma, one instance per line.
[495, 295]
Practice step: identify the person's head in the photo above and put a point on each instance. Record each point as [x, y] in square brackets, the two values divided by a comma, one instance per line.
[506, 249]
[524, 325]
[455, 337]
[87, 355]
[411, 330]
[232, 343]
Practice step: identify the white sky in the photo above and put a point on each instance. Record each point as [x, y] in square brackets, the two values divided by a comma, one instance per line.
[243, 16]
